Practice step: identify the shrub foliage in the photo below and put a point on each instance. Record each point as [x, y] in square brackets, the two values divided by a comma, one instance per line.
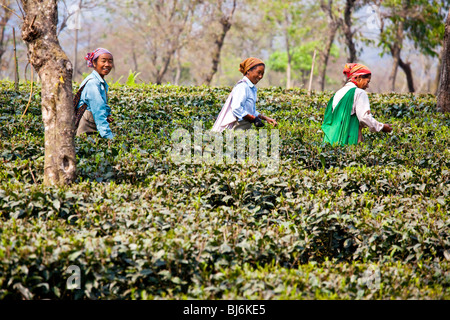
[362, 222]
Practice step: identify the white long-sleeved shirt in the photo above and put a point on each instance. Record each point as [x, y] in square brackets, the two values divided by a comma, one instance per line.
[361, 107]
[244, 99]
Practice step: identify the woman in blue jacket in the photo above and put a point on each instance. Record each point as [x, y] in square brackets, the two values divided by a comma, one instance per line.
[94, 96]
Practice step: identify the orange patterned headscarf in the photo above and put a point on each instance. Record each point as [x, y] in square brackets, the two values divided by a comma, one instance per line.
[249, 63]
[352, 70]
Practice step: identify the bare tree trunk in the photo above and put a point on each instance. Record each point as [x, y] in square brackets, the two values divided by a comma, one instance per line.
[325, 55]
[443, 94]
[288, 73]
[347, 29]
[6, 15]
[16, 63]
[333, 25]
[55, 71]
[438, 72]
[395, 51]
[289, 62]
[166, 19]
[2, 46]
[288, 51]
[393, 75]
[312, 73]
[178, 70]
[162, 71]
[75, 55]
[225, 22]
[135, 63]
[406, 67]
[218, 44]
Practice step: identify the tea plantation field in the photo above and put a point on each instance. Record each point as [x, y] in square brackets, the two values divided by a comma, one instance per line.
[362, 222]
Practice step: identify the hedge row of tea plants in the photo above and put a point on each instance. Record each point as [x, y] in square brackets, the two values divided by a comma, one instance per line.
[359, 222]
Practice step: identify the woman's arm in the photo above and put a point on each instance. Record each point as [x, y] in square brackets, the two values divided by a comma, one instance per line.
[362, 110]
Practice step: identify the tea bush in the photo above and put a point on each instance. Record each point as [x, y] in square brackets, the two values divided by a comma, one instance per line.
[361, 222]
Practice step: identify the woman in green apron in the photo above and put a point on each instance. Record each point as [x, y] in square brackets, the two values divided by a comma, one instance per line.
[349, 109]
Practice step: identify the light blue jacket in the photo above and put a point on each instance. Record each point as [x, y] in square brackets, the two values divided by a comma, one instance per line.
[244, 99]
[95, 95]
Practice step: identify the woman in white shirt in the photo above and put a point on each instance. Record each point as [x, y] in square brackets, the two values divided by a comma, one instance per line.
[349, 109]
[239, 111]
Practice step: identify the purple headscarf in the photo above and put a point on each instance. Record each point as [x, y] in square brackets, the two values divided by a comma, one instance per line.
[91, 56]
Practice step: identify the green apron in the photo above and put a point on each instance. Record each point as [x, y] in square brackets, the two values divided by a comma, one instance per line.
[339, 125]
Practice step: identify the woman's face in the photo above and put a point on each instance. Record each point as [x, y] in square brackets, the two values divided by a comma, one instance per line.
[104, 64]
[363, 83]
[256, 74]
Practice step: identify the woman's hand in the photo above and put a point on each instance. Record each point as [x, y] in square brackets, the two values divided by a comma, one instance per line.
[387, 128]
[271, 121]
[110, 119]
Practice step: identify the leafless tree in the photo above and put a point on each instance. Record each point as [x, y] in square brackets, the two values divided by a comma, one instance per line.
[334, 22]
[6, 13]
[161, 27]
[225, 21]
[347, 29]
